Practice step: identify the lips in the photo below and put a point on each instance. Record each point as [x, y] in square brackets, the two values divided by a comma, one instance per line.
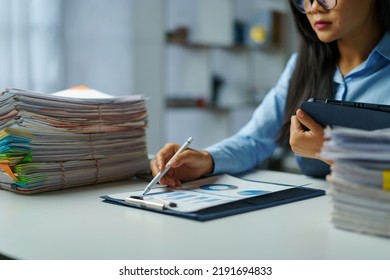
[322, 24]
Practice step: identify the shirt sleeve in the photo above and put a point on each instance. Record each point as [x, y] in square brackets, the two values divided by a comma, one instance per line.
[256, 140]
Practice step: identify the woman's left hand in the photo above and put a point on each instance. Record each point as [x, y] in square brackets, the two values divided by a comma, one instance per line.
[306, 142]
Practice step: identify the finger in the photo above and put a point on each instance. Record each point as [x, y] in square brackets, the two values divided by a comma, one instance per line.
[164, 155]
[295, 123]
[159, 163]
[154, 167]
[169, 181]
[295, 126]
[296, 131]
[307, 121]
[182, 158]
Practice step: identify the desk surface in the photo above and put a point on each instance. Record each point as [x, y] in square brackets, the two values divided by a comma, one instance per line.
[76, 224]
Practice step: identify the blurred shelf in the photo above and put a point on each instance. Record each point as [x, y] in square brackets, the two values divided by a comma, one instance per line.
[200, 102]
[187, 44]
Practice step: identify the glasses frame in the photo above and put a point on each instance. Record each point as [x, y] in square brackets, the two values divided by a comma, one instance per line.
[303, 11]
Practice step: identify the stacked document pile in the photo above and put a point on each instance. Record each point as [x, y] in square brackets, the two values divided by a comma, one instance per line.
[50, 142]
[360, 179]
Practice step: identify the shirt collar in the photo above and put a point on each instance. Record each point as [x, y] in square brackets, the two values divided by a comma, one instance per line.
[383, 46]
[381, 50]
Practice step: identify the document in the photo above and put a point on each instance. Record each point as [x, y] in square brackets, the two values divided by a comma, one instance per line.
[208, 192]
[50, 142]
[360, 179]
[213, 197]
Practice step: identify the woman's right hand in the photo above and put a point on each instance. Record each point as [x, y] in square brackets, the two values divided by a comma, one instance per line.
[188, 165]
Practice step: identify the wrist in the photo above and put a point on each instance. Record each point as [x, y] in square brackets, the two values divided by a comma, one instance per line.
[208, 163]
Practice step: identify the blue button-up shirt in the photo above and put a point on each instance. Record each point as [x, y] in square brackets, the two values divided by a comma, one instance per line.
[368, 82]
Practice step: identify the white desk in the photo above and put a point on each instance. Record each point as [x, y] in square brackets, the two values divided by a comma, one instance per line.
[75, 224]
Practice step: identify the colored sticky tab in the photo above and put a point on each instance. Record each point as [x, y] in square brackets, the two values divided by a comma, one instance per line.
[7, 169]
[81, 87]
[386, 180]
[27, 159]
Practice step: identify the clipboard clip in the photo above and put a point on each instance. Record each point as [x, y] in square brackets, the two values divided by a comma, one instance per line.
[150, 202]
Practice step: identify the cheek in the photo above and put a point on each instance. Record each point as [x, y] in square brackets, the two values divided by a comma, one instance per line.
[350, 20]
[338, 26]
[341, 29]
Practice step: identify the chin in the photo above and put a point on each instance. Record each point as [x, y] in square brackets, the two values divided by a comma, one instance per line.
[326, 39]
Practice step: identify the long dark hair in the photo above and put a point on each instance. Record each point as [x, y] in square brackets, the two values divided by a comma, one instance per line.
[316, 65]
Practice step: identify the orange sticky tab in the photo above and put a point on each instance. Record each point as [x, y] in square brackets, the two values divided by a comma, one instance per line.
[80, 87]
[7, 169]
[386, 180]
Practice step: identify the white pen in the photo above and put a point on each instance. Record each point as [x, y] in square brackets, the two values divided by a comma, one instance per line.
[162, 173]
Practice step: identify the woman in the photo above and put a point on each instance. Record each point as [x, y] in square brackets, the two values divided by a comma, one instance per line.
[344, 54]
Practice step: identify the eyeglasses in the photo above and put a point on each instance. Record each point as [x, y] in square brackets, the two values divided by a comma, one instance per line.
[304, 6]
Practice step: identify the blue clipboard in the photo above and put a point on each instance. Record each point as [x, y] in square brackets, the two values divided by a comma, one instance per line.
[329, 112]
[235, 207]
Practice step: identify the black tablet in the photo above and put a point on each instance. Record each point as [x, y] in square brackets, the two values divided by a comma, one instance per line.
[368, 116]
[328, 112]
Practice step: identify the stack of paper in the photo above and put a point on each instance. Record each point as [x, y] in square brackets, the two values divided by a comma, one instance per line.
[50, 142]
[360, 179]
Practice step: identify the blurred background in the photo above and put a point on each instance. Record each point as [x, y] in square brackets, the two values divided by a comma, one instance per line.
[204, 64]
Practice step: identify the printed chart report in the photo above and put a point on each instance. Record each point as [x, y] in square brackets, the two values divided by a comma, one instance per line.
[207, 192]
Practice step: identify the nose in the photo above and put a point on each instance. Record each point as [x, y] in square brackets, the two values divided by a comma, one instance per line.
[315, 7]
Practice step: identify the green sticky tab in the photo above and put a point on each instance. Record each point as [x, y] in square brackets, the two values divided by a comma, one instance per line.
[27, 159]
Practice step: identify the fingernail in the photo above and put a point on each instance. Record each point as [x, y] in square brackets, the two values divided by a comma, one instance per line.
[301, 114]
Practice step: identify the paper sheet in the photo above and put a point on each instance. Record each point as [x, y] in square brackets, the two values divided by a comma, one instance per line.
[207, 192]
